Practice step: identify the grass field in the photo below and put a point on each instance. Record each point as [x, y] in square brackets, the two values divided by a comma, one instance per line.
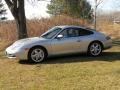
[76, 72]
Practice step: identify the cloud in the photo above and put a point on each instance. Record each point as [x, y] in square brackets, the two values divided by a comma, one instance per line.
[38, 9]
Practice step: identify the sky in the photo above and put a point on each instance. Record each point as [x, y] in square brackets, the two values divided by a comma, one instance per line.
[38, 9]
[108, 5]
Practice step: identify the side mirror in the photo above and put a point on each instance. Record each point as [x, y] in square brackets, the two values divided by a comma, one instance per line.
[59, 36]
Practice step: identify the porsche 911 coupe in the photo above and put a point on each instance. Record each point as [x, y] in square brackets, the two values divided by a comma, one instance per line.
[60, 40]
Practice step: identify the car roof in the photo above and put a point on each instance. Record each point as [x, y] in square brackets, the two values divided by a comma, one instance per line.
[69, 26]
[73, 26]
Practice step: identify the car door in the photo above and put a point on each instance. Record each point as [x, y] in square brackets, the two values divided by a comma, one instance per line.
[70, 42]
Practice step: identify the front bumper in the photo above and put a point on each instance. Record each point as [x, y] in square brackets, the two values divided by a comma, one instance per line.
[20, 54]
[10, 55]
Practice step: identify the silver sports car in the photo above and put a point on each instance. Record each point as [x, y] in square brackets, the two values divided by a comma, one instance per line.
[60, 40]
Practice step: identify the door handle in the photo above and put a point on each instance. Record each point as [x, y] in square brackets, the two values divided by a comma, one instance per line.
[78, 40]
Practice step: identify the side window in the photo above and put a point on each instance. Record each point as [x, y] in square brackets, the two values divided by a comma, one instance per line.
[70, 32]
[64, 33]
[84, 32]
[73, 32]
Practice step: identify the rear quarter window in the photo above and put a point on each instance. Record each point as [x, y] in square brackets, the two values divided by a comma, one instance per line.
[84, 32]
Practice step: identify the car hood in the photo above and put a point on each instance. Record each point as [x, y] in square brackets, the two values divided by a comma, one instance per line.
[30, 40]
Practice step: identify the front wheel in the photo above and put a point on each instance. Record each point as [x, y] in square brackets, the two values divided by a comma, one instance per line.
[37, 55]
[95, 49]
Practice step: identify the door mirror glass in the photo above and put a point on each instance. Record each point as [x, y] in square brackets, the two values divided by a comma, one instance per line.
[59, 36]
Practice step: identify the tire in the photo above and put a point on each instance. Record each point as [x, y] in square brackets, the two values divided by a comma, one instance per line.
[37, 55]
[95, 49]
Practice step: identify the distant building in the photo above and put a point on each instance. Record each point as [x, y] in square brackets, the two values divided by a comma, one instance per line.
[117, 20]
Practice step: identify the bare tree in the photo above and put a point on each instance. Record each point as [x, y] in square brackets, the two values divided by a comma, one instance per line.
[17, 9]
[2, 11]
[97, 3]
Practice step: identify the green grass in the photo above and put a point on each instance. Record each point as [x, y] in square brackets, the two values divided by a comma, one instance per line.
[74, 72]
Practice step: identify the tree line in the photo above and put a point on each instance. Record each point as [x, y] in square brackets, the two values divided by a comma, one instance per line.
[74, 8]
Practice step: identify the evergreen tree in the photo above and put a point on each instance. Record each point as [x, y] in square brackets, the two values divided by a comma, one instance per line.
[56, 7]
[74, 8]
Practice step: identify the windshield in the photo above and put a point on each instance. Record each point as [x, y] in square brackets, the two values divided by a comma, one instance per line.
[51, 33]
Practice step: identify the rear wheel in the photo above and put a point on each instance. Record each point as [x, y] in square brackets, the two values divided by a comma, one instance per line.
[37, 54]
[95, 49]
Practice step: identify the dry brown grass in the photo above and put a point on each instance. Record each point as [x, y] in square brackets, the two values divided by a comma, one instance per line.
[37, 27]
[110, 29]
[74, 72]
[4, 44]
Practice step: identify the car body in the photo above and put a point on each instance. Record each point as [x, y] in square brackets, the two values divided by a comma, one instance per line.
[60, 40]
